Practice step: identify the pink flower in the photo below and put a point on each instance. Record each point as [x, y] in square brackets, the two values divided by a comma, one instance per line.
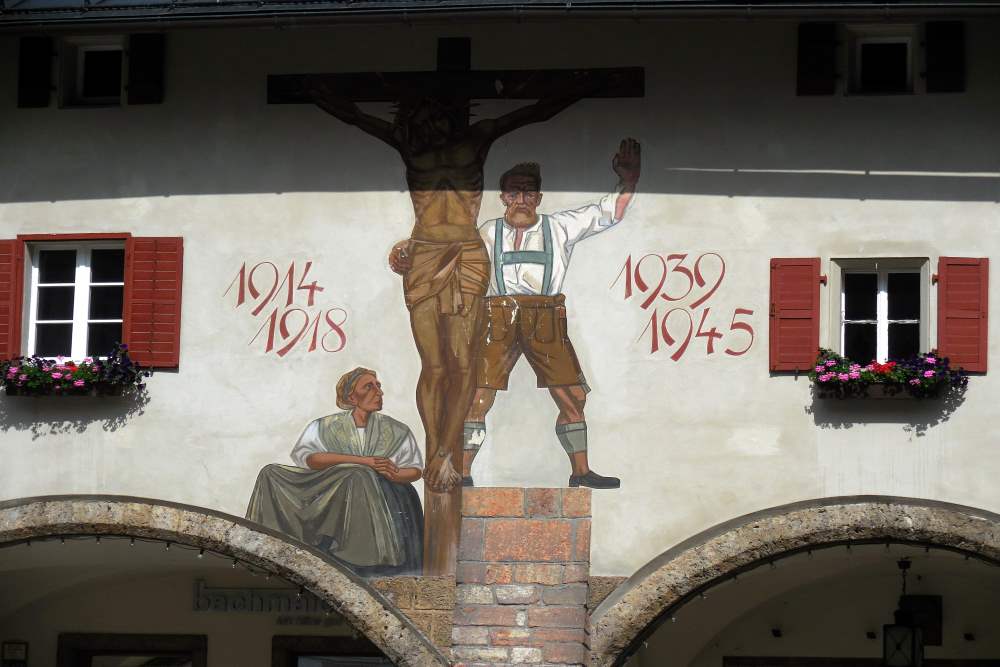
[56, 376]
[22, 377]
[78, 383]
[914, 381]
[88, 360]
[831, 362]
[930, 360]
[855, 368]
[843, 377]
[824, 377]
[820, 369]
[855, 375]
[14, 369]
[928, 374]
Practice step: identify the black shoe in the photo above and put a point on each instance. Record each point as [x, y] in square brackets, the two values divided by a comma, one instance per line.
[467, 481]
[595, 481]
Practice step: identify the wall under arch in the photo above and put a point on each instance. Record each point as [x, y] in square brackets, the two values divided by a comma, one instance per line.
[631, 611]
[363, 607]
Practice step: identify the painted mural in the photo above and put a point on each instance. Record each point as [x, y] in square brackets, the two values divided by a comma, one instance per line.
[479, 294]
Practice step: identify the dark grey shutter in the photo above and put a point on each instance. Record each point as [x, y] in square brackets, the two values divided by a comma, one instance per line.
[146, 68]
[34, 72]
[945, 49]
[817, 59]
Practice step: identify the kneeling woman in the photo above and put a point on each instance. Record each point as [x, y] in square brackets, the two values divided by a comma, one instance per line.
[352, 494]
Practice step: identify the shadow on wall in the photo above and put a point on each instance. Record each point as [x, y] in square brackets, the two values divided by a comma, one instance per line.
[57, 415]
[916, 415]
[718, 117]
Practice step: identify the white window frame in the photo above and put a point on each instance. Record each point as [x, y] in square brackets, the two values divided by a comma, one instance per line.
[882, 267]
[861, 34]
[72, 59]
[81, 292]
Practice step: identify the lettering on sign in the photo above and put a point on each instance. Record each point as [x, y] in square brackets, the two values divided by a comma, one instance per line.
[284, 302]
[266, 600]
[676, 293]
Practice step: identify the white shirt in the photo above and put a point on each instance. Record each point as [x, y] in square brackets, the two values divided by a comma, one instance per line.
[568, 229]
[407, 456]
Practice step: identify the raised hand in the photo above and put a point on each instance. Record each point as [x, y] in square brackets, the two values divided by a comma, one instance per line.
[627, 163]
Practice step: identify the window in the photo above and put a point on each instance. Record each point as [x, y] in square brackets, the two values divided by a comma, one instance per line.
[881, 58]
[92, 70]
[75, 295]
[321, 651]
[121, 650]
[879, 308]
[76, 299]
[883, 308]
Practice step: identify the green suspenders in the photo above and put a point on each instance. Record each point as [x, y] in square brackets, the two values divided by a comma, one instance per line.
[543, 257]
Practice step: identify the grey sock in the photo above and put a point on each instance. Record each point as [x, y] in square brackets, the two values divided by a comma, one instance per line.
[474, 434]
[572, 437]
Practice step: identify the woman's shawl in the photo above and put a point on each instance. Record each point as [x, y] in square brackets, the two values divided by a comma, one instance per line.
[347, 510]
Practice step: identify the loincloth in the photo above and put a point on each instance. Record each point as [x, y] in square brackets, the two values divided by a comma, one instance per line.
[455, 272]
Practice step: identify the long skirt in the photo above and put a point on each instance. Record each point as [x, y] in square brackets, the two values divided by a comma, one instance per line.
[373, 525]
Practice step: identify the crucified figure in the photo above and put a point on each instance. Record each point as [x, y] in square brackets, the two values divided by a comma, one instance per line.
[446, 271]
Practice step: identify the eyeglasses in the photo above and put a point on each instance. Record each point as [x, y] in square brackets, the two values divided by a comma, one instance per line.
[528, 196]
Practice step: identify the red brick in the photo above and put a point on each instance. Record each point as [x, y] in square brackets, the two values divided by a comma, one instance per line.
[581, 548]
[571, 653]
[485, 615]
[538, 573]
[527, 540]
[570, 594]
[470, 573]
[542, 502]
[470, 545]
[557, 617]
[491, 501]
[512, 637]
[576, 573]
[516, 594]
[535, 636]
[470, 635]
[576, 502]
[499, 574]
[558, 635]
[485, 654]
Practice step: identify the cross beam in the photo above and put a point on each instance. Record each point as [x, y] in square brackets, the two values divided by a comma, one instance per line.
[453, 79]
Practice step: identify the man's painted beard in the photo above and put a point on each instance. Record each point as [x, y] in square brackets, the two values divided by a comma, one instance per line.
[520, 216]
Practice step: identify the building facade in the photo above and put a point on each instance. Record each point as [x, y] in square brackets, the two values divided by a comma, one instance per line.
[722, 192]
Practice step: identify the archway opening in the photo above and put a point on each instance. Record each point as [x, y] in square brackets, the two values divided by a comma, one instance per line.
[57, 549]
[630, 615]
[830, 605]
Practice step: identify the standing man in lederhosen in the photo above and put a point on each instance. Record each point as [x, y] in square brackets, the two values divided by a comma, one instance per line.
[526, 309]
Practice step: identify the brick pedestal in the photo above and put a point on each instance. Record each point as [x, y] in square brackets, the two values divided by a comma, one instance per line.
[523, 568]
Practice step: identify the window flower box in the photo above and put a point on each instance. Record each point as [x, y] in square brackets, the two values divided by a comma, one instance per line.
[921, 376]
[114, 375]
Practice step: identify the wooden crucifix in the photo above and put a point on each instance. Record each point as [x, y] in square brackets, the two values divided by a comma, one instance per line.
[445, 266]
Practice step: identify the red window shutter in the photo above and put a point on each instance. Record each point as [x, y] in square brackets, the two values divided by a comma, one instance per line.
[794, 313]
[11, 296]
[963, 305]
[152, 317]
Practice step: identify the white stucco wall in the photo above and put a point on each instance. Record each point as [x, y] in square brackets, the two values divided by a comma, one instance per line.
[733, 163]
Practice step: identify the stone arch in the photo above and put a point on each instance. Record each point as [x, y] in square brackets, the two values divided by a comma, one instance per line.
[361, 605]
[632, 610]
